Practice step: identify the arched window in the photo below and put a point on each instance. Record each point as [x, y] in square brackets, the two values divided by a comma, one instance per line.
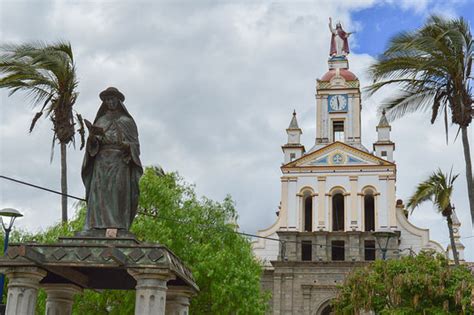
[338, 212]
[308, 211]
[369, 211]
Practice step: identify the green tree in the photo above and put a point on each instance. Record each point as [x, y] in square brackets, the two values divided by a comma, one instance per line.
[424, 284]
[432, 68]
[438, 188]
[47, 74]
[199, 231]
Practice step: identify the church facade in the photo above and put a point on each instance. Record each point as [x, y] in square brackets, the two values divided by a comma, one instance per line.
[333, 197]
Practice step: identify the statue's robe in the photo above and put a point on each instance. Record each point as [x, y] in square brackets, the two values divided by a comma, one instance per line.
[339, 42]
[111, 172]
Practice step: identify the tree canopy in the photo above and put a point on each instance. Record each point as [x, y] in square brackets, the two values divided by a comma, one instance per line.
[423, 284]
[199, 231]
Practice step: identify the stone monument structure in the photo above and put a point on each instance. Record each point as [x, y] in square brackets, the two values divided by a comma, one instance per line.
[105, 255]
[333, 198]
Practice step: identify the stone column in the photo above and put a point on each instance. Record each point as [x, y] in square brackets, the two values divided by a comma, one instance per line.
[150, 290]
[23, 284]
[178, 300]
[60, 297]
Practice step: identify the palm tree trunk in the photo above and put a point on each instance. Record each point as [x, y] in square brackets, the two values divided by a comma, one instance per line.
[451, 238]
[467, 158]
[63, 183]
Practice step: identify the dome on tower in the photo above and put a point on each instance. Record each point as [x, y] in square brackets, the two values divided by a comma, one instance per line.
[346, 74]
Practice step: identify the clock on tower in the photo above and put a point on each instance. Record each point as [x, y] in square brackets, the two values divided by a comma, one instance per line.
[337, 103]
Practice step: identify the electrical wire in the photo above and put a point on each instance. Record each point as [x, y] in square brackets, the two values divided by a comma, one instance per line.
[200, 225]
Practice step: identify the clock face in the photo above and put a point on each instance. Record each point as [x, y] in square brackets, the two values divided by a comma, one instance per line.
[337, 103]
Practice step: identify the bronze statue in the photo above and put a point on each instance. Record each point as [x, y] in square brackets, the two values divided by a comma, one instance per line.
[111, 169]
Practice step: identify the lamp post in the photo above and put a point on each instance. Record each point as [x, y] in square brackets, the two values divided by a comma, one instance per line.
[381, 235]
[12, 214]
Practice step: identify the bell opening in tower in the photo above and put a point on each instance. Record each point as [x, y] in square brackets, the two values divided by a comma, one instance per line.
[338, 130]
[338, 212]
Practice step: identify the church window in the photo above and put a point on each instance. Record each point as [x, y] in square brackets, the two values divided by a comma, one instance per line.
[338, 212]
[292, 156]
[384, 153]
[369, 211]
[308, 212]
[369, 250]
[338, 130]
[306, 247]
[337, 250]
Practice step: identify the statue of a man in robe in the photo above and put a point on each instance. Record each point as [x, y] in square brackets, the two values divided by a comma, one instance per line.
[339, 40]
[111, 169]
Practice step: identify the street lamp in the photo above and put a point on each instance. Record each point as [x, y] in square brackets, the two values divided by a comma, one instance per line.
[381, 235]
[12, 214]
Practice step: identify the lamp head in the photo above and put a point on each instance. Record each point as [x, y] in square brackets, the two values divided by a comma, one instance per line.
[384, 232]
[10, 212]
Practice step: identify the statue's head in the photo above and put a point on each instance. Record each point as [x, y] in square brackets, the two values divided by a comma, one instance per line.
[112, 98]
[338, 25]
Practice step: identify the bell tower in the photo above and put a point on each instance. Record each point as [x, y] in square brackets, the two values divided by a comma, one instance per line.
[338, 105]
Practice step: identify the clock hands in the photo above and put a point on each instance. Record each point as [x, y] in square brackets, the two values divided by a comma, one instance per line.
[337, 99]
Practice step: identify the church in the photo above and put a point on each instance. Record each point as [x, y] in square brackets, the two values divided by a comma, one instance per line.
[338, 208]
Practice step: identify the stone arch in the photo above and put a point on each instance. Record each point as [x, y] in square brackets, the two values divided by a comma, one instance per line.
[323, 306]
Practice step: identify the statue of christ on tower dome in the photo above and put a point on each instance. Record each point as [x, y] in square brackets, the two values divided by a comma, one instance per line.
[339, 40]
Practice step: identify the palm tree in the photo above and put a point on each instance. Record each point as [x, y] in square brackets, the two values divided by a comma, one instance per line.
[47, 74]
[432, 68]
[438, 188]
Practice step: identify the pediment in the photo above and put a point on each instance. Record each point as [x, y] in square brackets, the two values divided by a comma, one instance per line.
[337, 154]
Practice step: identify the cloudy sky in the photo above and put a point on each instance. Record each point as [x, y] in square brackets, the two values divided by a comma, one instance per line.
[212, 85]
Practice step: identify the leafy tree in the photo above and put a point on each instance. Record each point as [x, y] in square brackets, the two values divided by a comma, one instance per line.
[438, 188]
[432, 68]
[199, 231]
[47, 74]
[424, 284]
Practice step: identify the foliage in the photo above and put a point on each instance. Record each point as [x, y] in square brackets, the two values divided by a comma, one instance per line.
[431, 68]
[424, 284]
[47, 74]
[200, 232]
[438, 188]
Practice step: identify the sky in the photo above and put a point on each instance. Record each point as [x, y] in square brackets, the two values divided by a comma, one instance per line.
[212, 86]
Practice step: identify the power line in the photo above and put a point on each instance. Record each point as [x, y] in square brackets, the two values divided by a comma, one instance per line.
[201, 225]
[40, 187]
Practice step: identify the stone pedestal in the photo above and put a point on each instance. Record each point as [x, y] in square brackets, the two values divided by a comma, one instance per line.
[178, 300]
[23, 284]
[60, 298]
[150, 290]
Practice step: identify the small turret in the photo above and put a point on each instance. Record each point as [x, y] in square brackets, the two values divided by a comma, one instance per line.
[384, 147]
[293, 148]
